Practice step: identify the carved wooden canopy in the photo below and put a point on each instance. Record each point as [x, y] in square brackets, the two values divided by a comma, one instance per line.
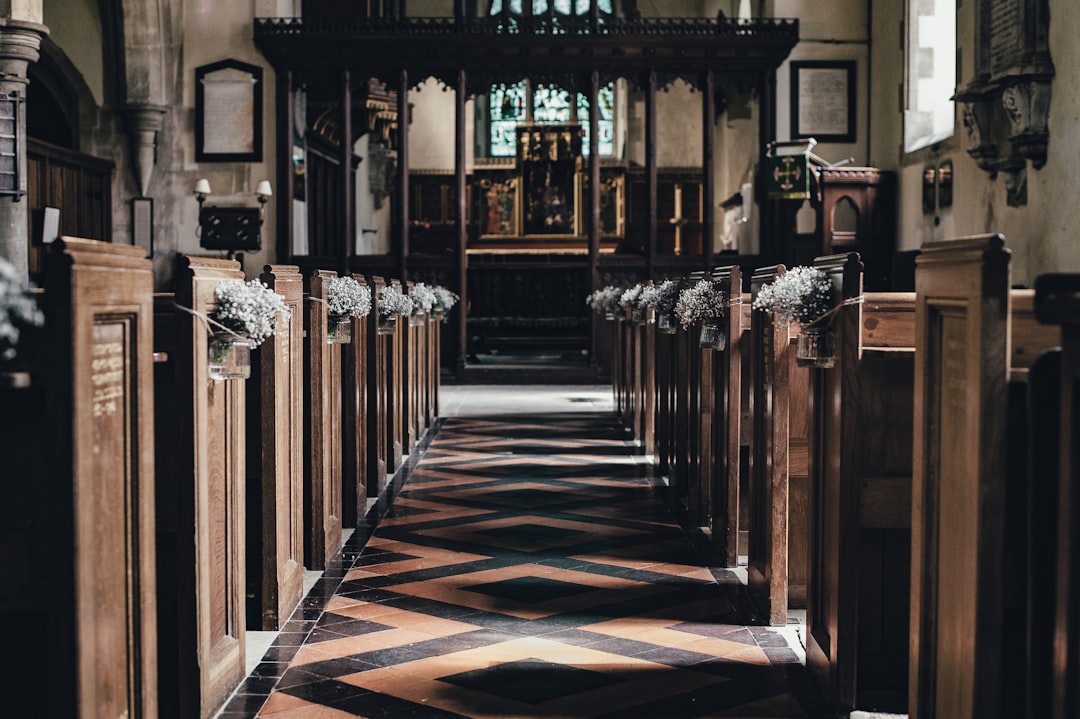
[490, 50]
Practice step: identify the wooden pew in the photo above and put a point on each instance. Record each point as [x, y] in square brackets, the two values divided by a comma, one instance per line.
[778, 551]
[860, 469]
[618, 363]
[77, 520]
[199, 429]
[434, 370]
[974, 341]
[698, 391]
[275, 462]
[355, 469]
[1053, 679]
[378, 396]
[322, 432]
[722, 407]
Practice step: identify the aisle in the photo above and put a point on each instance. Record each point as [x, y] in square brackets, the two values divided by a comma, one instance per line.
[527, 569]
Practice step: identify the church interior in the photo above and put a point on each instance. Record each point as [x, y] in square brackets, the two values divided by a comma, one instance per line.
[540, 358]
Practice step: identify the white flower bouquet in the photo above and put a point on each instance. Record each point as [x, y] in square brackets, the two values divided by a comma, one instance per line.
[17, 308]
[802, 294]
[662, 299]
[423, 297]
[392, 302]
[605, 300]
[444, 299]
[346, 297]
[629, 297]
[249, 309]
[700, 303]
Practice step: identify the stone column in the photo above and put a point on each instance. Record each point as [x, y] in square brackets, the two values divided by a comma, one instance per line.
[20, 41]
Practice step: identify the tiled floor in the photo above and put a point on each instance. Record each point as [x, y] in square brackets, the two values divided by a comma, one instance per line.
[527, 569]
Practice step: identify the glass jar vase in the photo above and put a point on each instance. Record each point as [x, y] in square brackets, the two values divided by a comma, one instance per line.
[416, 318]
[387, 325]
[229, 356]
[338, 329]
[816, 347]
[712, 336]
[666, 324]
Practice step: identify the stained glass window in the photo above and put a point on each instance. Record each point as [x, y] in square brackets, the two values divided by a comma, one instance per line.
[607, 120]
[507, 110]
[581, 7]
[550, 104]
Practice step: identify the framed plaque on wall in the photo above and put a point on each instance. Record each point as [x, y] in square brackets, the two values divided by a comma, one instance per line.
[823, 100]
[228, 112]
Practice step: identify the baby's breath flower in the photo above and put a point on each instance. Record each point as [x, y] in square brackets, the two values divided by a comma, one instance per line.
[701, 302]
[629, 297]
[802, 294]
[605, 299]
[347, 297]
[16, 308]
[250, 309]
[422, 296]
[661, 297]
[444, 298]
[393, 302]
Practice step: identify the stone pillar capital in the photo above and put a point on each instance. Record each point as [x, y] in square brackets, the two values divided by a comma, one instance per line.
[143, 120]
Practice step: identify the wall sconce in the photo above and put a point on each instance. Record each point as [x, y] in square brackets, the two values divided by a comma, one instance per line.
[231, 228]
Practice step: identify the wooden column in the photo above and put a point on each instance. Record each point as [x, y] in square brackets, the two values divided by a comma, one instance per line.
[403, 172]
[276, 490]
[461, 213]
[652, 176]
[708, 166]
[594, 178]
[200, 466]
[409, 339]
[322, 480]
[283, 103]
[348, 217]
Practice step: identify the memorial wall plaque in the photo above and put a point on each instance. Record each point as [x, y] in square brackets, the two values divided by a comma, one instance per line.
[823, 100]
[1006, 34]
[228, 112]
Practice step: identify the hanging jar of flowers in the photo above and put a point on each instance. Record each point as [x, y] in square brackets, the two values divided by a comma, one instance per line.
[605, 301]
[423, 299]
[707, 304]
[392, 304]
[661, 299]
[247, 313]
[804, 295]
[18, 309]
[628, 301]
[444, 301]
[346, 298]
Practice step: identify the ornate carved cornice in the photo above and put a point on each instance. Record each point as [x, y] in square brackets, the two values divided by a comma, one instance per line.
[500, 50]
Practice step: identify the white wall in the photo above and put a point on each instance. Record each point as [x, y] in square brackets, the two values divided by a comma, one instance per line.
[75, 27]
[1042, 234]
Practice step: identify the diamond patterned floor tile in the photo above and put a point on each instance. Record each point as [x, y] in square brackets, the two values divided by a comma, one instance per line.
[528, 570]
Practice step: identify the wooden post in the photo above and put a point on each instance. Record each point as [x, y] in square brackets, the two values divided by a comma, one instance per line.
[860, 506]
[200, 465]
[727, 420]
[276, 496]
[76, 434]
[395, 402]
[322, 476]
[355, 390]
[377, 396]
